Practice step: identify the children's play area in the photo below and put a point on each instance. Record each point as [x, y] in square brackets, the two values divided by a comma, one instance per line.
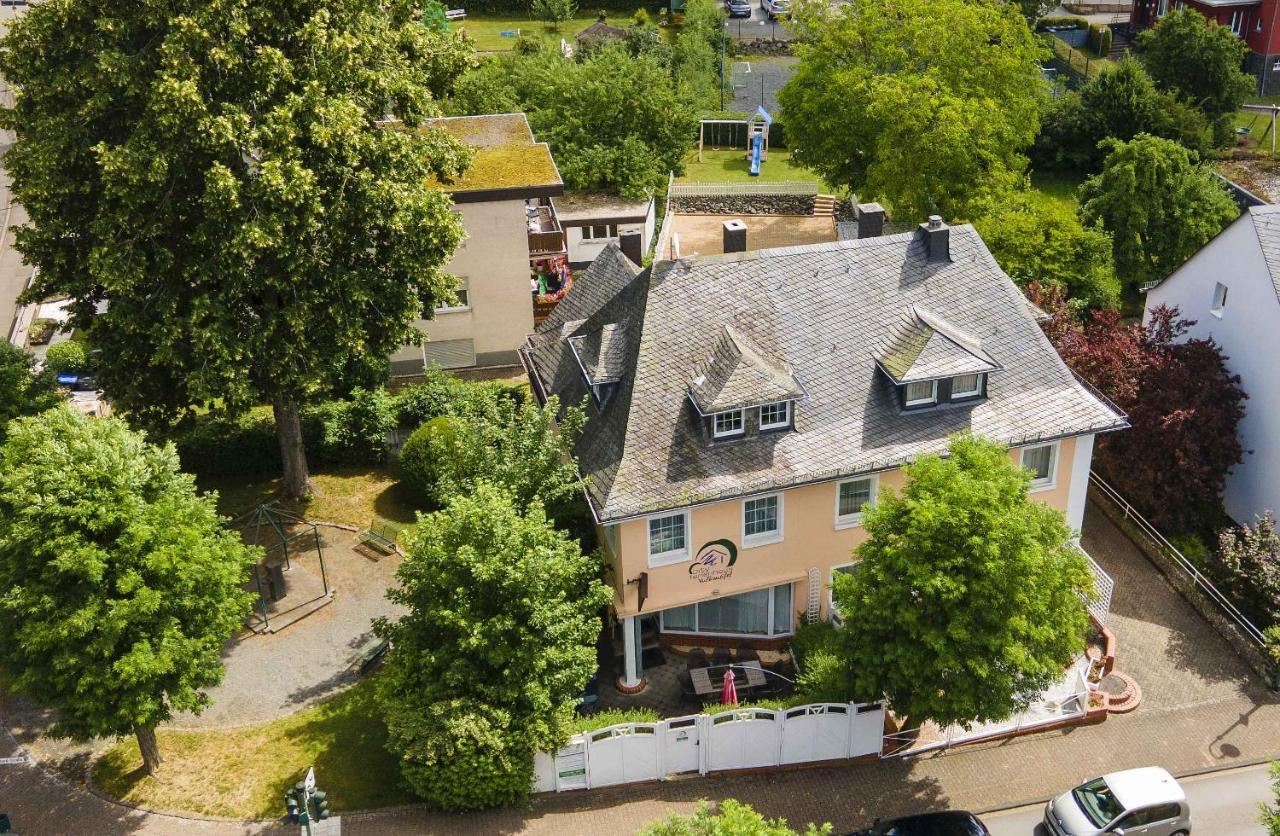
[751, 135]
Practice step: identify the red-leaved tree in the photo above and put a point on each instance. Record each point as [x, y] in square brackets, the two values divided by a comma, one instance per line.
[1183, 404]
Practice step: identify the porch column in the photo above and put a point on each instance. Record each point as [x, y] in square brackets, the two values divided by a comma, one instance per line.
[630, 652]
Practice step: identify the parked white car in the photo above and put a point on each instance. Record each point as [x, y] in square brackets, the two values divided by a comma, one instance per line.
[1136, 802]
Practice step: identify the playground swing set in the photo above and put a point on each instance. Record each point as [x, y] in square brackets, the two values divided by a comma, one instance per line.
[755, 131]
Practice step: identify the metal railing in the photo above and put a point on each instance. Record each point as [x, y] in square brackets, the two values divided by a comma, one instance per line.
[783, 187]
[1179, 559]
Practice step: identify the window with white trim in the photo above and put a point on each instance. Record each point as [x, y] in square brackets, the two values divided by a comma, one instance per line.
[761, 612]
[966, 386]
[832, 610]
[1237, 21]
[724, 424]
[461, 300]
[919, 394]
[668, 539]
[775, 416]
[853, 497]
[599, 232]
[1219, 299]
[762, 520]
[1042, 461]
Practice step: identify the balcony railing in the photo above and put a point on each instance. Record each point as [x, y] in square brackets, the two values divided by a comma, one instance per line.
[546, 243]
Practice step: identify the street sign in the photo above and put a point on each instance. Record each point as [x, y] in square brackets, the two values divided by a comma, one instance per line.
[309, 783]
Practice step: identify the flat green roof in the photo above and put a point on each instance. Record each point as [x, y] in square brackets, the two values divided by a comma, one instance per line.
[505, 155]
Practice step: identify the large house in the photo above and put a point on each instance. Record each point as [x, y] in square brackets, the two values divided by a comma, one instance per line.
[1253, 20]
[745, 408]
[1231, 289]
[513, 262]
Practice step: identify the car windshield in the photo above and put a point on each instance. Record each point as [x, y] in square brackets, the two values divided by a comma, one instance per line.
[1097, 801]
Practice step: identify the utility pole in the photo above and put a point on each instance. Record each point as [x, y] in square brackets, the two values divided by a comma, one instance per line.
[724, 36]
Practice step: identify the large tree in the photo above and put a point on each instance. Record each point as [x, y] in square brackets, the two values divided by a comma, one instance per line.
[121, 585]
[212, 183]
[1159, 203]
[923, 106]
[1201, 62]
[498, 641]
[23, 389]
[967, 598]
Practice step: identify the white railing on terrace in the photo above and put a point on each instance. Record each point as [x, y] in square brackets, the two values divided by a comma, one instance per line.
[664, 234]
[784, 187]
[1179, 559]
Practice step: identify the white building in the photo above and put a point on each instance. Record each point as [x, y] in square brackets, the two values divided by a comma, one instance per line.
[1231, 288]
[592, 220]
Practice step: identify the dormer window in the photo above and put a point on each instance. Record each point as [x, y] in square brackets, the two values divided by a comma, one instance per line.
[775, 416]
[728, 424]
[966, 386]
[932, 362]
[924, 393]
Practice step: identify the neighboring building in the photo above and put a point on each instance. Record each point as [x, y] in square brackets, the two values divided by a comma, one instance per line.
[1254, 20]
[745, 408]
[513, 259]
[599, 32]
[1231, 288]
[590, 221]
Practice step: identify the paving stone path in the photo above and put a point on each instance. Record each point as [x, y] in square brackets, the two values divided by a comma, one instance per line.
[1201, 710]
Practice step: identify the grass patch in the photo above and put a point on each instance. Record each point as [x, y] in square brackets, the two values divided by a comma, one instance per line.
[486, 31]
[731, 166]
[1084, 64]
[353, 495]
[1257, 133]
[1057, 189]
[245, 772]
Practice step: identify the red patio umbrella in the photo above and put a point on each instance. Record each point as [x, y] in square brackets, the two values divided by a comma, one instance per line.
[730, 694]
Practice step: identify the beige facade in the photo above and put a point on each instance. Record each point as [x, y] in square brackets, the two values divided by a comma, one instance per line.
[492, 266]
[812, 539]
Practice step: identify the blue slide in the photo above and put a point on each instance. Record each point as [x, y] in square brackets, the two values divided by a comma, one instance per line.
[757, 144]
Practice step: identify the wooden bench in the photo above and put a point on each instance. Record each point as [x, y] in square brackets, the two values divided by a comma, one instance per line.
[369, 656]
[380, 536]
[455, 14]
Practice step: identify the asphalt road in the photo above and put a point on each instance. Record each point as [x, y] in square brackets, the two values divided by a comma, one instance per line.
[1222, 804]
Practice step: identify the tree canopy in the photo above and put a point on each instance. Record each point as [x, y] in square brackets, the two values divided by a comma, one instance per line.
[229, 191]
[1159, 204]
[730, 818]
[23, 390]
[966, 601]
[121, 584]
[1200, 61]
[498, 641]
[924, 107]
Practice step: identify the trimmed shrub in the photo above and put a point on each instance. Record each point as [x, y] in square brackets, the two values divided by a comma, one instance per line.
[355, 430]
[67, 355]
[1104, 44]
[443, 394]
[435, 450]
[1061, 22]
[217, 446]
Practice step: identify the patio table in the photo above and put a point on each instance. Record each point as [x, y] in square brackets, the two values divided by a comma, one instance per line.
[704, 687]
[755, 674]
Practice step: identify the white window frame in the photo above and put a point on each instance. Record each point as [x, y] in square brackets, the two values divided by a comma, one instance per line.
[775, 536]
[464, 291]
[778, 425]
[589, 232]
[933, 394]
[715, 424]
[1051, 480]
[675, 555]
[833, 615]
[960, 394]
[854, 520]
[1237, 22]
[1162, 8]
[773, 600]
[1220, 294]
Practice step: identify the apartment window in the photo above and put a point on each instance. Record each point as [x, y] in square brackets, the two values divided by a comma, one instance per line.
[727, 423]
[668, 539]
[761, 612]
[966, 386]
[599, 232]
[775, 416]
[853, 497]
[846, 569]
[1237, 21]
[1162, 8]
[762, 520]
[1042, 461]
[1219, 299]
[461, 300]
[920, 394]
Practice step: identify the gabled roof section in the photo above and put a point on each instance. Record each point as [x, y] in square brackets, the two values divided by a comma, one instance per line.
[601, 353]
[927, 347]
[599, 31]
[1266, 223]
[738, 373]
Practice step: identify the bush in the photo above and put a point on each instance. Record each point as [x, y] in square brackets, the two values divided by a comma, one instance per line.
[613, 717]
[65, 356]
[527, 45]
[732, 819]
[214, 445]
[823, 675]
[443, 394]
[1104, 45]
[40, 331]
[1061, 22]
[353, 431]
[640, 18]
[1248, 562]
[435, 450]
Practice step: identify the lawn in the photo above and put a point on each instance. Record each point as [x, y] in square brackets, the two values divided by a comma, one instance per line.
[244, 772]
[1258, 125]
[486, 31]
[1084, 64]
[1057, 189]
[730, 166]
[353, 495]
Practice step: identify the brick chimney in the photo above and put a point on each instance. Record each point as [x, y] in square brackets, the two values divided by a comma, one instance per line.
[870, 220]
[937, 236]
[630, 242]
[735, 236]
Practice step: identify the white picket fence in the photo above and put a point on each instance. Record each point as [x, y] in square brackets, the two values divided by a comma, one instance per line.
[743, 739]
[803, 188]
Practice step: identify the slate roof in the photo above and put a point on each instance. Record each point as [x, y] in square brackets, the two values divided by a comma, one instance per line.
[1266, 222]
[599, 31]
[927, 347]
[602, 352]
[738, 373]
[826, 310]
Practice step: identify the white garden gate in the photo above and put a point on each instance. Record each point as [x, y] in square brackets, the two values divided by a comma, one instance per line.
[682, 744]
[744, 739]
[624, 754]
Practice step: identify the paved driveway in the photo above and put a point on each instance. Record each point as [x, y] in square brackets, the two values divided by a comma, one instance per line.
[1201, 711]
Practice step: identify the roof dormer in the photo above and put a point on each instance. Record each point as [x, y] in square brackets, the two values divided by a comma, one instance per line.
[601, 355]
[932, 362]
[741, 387]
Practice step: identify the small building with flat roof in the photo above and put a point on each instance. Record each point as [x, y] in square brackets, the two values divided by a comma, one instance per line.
[591, 220]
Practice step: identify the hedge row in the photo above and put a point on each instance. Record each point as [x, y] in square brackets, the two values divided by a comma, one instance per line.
[1063, 22]
[1099, 40]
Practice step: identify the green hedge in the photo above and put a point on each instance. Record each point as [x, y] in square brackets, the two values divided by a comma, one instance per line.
[1062, 22]
[1099, 40]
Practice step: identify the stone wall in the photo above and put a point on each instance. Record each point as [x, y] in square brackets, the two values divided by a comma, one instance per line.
[744, 205]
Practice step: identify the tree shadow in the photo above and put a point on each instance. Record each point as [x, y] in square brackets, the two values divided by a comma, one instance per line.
[398, 503]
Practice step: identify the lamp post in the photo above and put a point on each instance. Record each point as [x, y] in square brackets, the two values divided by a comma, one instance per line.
[724, 36]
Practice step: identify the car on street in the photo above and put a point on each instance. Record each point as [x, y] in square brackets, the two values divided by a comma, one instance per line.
[947, 823]
[776, 8]
[738, 8]
[1136, 802]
